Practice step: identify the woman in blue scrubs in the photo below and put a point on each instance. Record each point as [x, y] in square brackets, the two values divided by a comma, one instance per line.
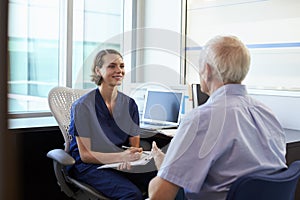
[102, 121]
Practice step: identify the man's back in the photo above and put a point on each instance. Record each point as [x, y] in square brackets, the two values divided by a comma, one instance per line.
[233, 135]
[252, 140]
[227, 137]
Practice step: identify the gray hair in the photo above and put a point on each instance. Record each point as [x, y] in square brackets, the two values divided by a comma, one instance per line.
[228, 56]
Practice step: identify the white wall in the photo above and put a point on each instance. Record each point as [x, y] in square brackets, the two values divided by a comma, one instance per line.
[285, 107]
[271, 29]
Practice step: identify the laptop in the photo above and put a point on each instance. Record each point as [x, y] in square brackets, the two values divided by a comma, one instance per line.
[162, 109]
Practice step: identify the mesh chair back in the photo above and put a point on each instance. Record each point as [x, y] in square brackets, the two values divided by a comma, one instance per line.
[60, 100]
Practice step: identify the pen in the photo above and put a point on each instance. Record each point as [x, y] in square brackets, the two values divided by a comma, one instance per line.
[126, 147]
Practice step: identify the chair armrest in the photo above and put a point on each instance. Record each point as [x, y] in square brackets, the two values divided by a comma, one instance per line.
[61, 156]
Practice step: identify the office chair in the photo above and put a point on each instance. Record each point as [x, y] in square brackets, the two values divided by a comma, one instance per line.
[279, 186]
[60, 100]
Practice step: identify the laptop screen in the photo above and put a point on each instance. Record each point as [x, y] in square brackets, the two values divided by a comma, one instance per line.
[162, 107]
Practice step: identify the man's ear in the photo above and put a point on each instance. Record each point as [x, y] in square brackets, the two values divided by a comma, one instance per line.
[207, 72]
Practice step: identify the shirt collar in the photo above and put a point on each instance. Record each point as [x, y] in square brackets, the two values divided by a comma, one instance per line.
[229, 89]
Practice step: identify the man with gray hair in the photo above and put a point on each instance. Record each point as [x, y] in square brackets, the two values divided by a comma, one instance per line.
[229, 136]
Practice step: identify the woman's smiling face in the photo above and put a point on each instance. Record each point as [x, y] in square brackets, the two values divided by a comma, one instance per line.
[112, 70]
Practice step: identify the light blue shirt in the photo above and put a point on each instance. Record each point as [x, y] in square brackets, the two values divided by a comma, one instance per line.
[229, 136]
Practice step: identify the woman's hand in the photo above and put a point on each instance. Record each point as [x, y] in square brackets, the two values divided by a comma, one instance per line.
[157, 154]
[131, 154]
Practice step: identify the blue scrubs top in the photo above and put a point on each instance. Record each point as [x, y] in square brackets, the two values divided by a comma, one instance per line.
[117, 127]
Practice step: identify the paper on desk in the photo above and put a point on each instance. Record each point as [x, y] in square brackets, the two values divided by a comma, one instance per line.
[145, 158]
[168, 132]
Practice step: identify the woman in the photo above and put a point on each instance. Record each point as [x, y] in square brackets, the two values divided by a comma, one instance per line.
[102, 121]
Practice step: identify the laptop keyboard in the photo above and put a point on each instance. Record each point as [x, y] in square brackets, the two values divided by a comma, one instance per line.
[156, 126]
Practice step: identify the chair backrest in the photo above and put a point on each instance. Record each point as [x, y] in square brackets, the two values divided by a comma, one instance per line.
[279, 186]
[60, 100]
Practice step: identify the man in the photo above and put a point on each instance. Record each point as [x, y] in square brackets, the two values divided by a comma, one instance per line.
[229, 136]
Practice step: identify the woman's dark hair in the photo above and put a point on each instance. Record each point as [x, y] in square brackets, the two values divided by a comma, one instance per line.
[98, 62]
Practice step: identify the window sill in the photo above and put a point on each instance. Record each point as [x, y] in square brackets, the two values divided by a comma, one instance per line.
[31, 122]
[41, 122]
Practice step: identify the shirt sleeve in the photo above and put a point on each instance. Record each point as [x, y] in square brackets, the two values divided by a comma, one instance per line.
[135, 118]
[72, 129]
[135, 113]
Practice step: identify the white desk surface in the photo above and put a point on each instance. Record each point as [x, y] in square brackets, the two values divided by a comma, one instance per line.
[168, 132]
[291, 135]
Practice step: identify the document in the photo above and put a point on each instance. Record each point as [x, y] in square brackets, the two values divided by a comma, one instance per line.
[145, 158]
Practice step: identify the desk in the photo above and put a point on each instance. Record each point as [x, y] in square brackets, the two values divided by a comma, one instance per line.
[292, 145]
[292, 135]
[292, 142]
[168, 132]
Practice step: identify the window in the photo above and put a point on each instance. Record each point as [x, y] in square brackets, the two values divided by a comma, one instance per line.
[97, 24]
[33, 53]
[50, 44]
